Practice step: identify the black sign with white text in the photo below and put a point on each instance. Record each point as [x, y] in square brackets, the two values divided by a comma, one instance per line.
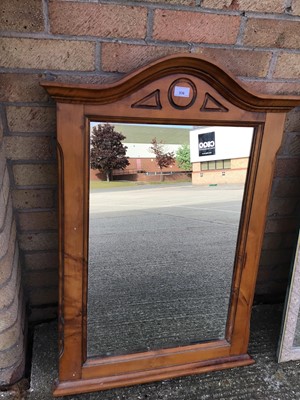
[207, 144]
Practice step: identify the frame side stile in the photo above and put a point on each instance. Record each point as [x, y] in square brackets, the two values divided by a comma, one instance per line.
[86, 167]
[271, 141]
[69, 124]
[60, 251]
[240, 256]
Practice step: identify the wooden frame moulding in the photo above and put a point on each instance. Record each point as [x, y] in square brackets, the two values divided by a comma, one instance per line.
[147, 96]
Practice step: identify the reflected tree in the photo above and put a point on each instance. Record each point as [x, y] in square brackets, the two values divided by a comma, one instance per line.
[183, 157]
[107, 150]
[163, 159]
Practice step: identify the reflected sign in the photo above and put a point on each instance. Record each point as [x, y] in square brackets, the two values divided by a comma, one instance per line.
[207, 144]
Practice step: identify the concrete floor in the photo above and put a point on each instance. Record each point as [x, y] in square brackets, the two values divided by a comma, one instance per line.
[265, 380]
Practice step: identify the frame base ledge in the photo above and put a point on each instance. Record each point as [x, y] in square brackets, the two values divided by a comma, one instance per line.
[134, 378]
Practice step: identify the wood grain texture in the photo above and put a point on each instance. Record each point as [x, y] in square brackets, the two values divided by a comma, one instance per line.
[115, 381]
[71, 211]
[216, 99]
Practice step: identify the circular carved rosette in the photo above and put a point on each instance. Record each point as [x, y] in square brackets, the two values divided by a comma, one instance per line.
[182, 94]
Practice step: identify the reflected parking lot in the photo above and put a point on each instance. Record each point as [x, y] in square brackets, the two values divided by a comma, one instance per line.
[160, 266]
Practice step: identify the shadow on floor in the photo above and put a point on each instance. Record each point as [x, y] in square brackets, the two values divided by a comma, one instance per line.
[265, 380]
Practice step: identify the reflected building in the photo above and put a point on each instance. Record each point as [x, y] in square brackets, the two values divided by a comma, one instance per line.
[142, 164]
[220, 154]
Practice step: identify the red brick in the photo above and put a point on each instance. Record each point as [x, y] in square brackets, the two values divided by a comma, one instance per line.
[28, 148]
[47, 54]
[289, 167]
[286, 187]
[102, 20]
[35, 198]
[274, 271]
[296, 7]
[184, 26]
[274, 87]
[38, 279]
[282, 207]
[82, 78]
[292, 123]
[290, 240]
[125, 58]
[21, 16]
[281, 225]
[43, 296]
[21, 87]
[283, 148]
[275, 257]
[35, 174]
[270, 6]
[39, 220]
[272, 241]
[43, 314]
[31, 119]
[271, 290]
[239, 62]
[288, 66]
[293, 145]
[272, 33]
[41, 260]
[38, 241]
[179, 2]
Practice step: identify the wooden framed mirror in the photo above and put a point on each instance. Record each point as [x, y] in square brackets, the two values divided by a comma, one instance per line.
[183, 93]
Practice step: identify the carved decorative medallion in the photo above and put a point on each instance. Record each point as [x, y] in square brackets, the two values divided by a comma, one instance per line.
[182, 94]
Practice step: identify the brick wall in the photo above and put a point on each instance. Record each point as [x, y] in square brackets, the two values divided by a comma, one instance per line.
[12, 330]
[98, 41]
[236, 174]
[283, 221]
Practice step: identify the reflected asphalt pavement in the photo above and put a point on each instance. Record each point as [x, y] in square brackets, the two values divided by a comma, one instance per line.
[160, 265]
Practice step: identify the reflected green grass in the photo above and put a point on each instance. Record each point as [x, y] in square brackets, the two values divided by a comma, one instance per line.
[110, 185]
[120, 184]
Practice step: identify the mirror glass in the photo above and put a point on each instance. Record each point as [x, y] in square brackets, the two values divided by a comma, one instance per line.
[289, 341]
[296, 289]
[162, 233]
[297, 333]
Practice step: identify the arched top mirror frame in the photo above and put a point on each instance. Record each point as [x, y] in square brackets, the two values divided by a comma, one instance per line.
[212, 97]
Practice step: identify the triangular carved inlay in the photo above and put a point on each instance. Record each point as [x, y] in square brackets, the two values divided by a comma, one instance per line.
[211, 104]
[151, 101]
